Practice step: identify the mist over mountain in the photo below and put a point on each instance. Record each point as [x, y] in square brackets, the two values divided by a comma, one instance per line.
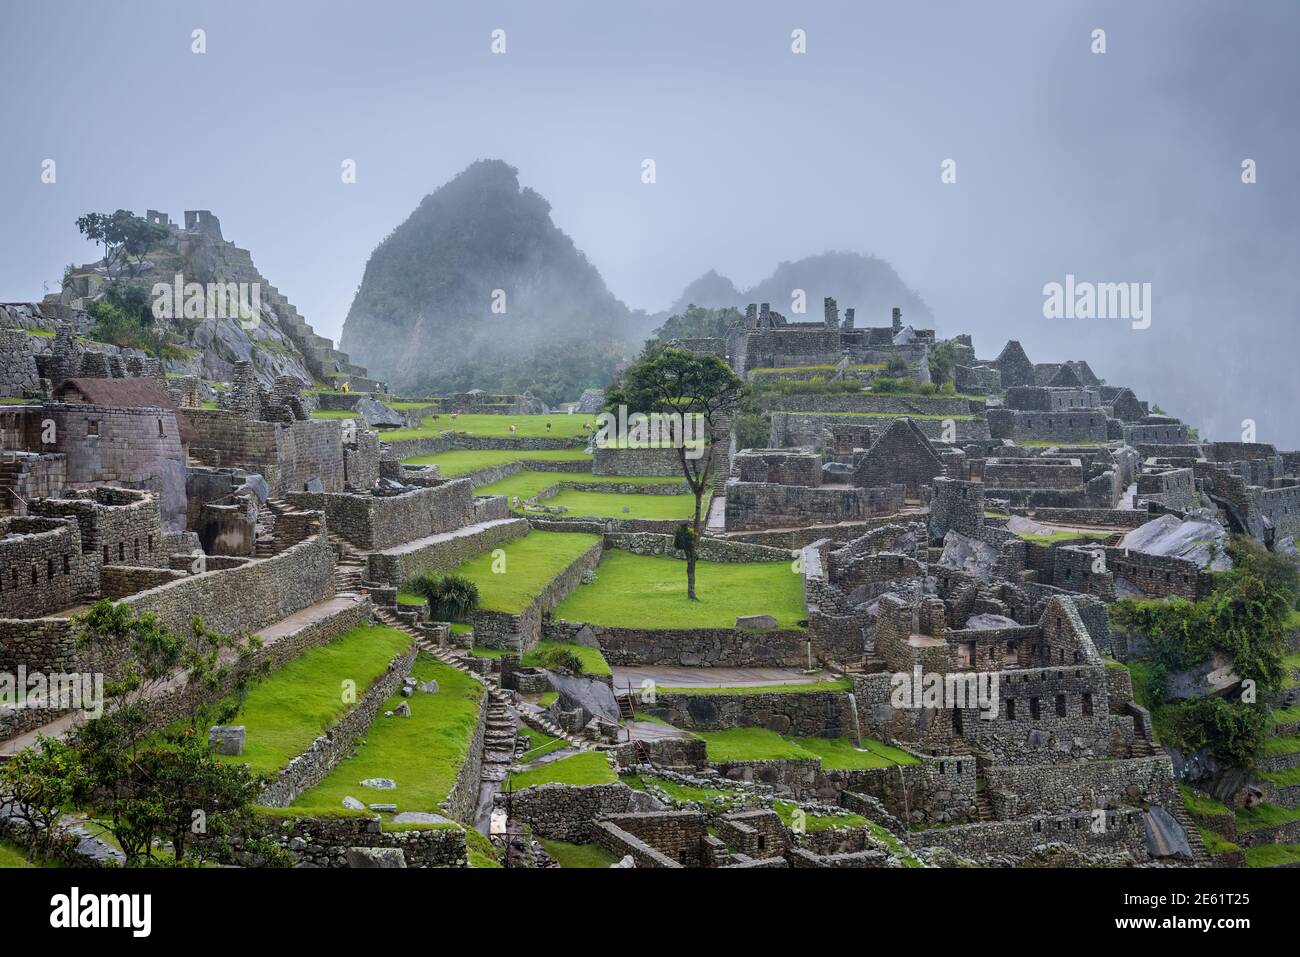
[479, 289]
[865, 283]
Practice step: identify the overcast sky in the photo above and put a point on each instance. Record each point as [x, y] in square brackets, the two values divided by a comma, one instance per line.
[1115, 167]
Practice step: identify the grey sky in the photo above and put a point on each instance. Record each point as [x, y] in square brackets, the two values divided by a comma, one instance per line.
[1119, 167]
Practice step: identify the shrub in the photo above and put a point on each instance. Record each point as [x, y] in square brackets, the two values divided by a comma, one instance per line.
[561, 659]
[450, 597]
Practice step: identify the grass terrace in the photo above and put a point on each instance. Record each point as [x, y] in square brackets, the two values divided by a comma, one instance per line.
[843, 754]
[12, 857]
[526, 484]
[531, 563]
[593, 662]
[288, 709]
[751, 744]
[464, 461]
[823, 367]
[818, 822]
[563, 426]
[334, 414]
[636, 591]
[423, 754]
[586, 767]
[683, 792]
[1061, 535]
[1272, 855]
[679, 508]
[539, 743]
[578, 855]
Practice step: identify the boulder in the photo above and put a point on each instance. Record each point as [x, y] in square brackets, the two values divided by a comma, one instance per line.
[756, 622]
[1165, 837]
[379, 784]
[375, 857]
[837, 472]
[352, 804]
[594, 697]
[403, 710]
[969, 555]
[420, 817]
[377, 415]
[1191, 541]
[428, 687]
[627, 861]
[227, 739]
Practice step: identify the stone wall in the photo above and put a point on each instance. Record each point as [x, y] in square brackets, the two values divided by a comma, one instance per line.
[289, 456]
[813, 714]
[441, 552]
[690, 647]
[1123, 830]
[641, 462]
[372, 522]
[41, 566]
[755, 505]
[657, 839]
[1081, 786]
[563, 812]
[1080, 426]
[462, 803]
[324, 841]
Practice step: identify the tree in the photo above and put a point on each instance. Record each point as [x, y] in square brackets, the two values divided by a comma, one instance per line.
[696, 322]
[450, 597]
[943, 361]
[36, 785]
[667, 381]
[122, 234]
[147, 783]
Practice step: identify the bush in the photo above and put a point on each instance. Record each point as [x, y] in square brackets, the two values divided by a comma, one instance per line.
[561, 659]
[450, 597]
[887, 385]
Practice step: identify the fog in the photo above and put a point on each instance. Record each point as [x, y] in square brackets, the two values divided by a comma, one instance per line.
[1117, 167]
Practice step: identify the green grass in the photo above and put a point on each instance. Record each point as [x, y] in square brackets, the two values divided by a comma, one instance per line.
[593, 662]
[1271, 855]
[464, 461]
[334, 414]
[821, 367]
[563, 426]
[480, 652]
[578, 855]
[1061, 535]
[1283, 779]
[1287, 715]
[818, 822]
[841, 754]
[548, 698]
[1276, 746]
[812, 687]
[531, 563]
[750, 744]
[587, 767]
[288, 709]
[423, 754]
[1216, 843]
[683, 792]
[481, 852]
[1265, 815]
[1201, 805]
[526, 484]
[639, 591]
[539, 743]
[12, 857]
[886, 837]
[658, 508]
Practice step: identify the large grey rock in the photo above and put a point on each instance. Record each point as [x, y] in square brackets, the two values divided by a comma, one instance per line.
[227, 739]
[383, 857]
[379, 784]
[377, 415]
[428, 687]
[352, 804]
[969, 555]
[403, 710]
[1191, 541]
[1165, 837]
[626, 861]
[594, 697]
[420, 817]
[756, 622]
[1214, 676]
[258, 486]
[834, 472]
[642, 803]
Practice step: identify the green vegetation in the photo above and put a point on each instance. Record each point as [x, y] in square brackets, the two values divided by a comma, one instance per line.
[649, 507]
[843, 753]
[633, 591]
[817, 385]
[1201, 805]
[539, 743]
[530, 563]
[751, 744]
[684, 792]
[1246, 619]
[562, 426]
[1216, 843]
[464, 461]
[287, 710]
[450, 597]
[1272, 855]
[586, 767]
[589, 660]
[548, 698]
[578, 855]
[820, 367]
[526, 484]
[334, 414]
[12, 857]
[479, 850]
[1060, 535]
[1265, 815]
[817, 822]
[423, 754]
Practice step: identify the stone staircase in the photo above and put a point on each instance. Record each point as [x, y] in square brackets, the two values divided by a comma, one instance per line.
[1200, 856]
